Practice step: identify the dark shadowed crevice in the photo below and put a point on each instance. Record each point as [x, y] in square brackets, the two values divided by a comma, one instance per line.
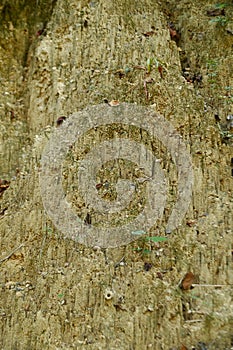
[21, 23]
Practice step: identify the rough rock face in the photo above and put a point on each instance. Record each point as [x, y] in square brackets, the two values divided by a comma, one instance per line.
[57, 58]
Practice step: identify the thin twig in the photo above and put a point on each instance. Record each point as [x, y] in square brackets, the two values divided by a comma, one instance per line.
[11, 253]
[119, 262]
[211, 285]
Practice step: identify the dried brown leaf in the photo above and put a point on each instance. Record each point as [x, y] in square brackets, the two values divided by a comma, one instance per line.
[147, 34]
[187, 281]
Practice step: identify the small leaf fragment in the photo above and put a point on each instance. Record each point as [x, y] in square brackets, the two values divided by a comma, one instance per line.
[139, 232]
[157, 239]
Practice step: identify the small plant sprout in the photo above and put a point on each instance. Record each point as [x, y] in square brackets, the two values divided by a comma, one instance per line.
[154, 62]
[218, 11]
[146, 247]
[220, 20]
[221, 6]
